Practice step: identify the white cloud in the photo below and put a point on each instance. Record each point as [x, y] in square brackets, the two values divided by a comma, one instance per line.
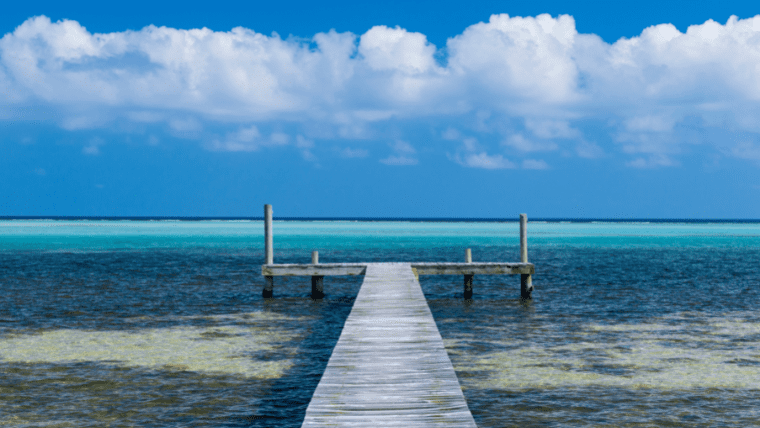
[247, 135]
[588, 150]
[281, 139]
[386, 48]
[517, 141]
[308, 155]
[185, 125]
[484, 161]
[538, 71]
[470, 144]
[303, 143]
[93, 148]
[543, 128]
[520, 58]
[653, 161]
[145, 116]
[404, 152]
[248, 139]
[451, 134]
[403, 147]
[746, 150]
[650, 123]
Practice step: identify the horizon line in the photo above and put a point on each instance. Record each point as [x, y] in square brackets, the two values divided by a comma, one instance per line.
[390, 218]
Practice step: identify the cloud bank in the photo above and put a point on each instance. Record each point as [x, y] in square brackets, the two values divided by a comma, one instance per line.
[508, 90]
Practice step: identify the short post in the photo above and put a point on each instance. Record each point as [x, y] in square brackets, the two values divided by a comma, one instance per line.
[468, 278]
[526, 282]
[268, 251]
[317, 281]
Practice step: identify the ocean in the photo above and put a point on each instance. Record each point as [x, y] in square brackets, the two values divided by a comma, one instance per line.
[161, 322]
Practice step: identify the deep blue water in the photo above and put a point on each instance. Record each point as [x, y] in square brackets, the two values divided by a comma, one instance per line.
[161, 323]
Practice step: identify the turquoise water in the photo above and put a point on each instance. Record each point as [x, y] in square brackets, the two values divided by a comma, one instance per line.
[162, 323]
[86, 235]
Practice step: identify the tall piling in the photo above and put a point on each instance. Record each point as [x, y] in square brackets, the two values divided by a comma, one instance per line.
[526, 281]
[268, 250]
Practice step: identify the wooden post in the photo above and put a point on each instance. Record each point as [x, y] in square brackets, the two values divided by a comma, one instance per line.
[468, 278]
[268, 234]
[317, 281]
[268, 287]
[526, 282]
[268, 250]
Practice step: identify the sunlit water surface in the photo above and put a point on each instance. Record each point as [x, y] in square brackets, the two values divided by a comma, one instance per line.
[161, 323]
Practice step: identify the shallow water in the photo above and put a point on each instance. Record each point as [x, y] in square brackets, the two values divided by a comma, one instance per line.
[162, 323]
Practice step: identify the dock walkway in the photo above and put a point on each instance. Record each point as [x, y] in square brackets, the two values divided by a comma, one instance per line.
[389, 367]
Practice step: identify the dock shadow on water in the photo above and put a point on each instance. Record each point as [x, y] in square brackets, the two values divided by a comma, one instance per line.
[285, 402]
[160, 340]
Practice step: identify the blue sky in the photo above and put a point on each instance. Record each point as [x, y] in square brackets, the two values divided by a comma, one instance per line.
[429, 109]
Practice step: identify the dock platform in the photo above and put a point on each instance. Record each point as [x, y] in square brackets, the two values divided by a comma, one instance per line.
[389, 367]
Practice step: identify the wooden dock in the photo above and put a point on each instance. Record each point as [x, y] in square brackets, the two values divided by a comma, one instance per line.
[389, 367]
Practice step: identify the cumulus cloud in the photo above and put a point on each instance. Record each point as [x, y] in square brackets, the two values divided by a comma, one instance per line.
[386, 48]
[521, 59]
[526, 81]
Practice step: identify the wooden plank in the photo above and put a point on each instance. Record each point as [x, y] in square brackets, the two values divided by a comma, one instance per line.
[473, 268]
[389, 367]
[321, 269]
[324, 269]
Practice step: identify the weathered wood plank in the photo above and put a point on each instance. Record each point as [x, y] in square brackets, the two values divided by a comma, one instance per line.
[436, 268]
[321, 269]
[473, 268]
[389, 367]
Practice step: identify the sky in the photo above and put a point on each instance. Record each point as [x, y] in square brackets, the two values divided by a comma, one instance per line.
[390, 109]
